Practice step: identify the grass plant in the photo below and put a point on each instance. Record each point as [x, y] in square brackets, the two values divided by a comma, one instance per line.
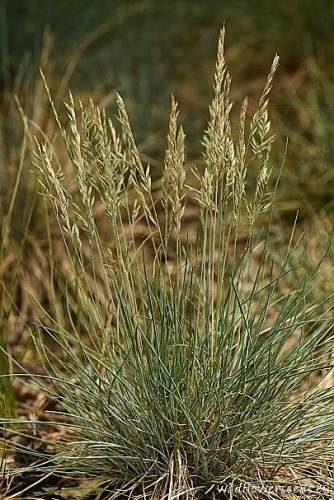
[184, 371]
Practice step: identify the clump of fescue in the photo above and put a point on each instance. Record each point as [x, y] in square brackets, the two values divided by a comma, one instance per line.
[183, 382]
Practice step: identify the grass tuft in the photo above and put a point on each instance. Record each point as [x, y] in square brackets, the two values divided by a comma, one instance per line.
[192, 373]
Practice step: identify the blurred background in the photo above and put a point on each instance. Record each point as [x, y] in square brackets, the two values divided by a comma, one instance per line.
[145, 50]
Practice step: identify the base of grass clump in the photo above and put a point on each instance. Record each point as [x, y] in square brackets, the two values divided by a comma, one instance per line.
[185, 377]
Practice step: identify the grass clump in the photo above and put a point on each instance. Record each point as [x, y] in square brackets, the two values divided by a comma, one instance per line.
[188, 373]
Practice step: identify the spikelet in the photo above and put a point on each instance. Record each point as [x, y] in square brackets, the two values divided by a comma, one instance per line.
[52, 187]
[260, 140]
[140, 177]
[173, 178]
[219, 154]
[80, 167]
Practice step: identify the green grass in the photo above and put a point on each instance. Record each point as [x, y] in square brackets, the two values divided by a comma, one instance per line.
[186, 366]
